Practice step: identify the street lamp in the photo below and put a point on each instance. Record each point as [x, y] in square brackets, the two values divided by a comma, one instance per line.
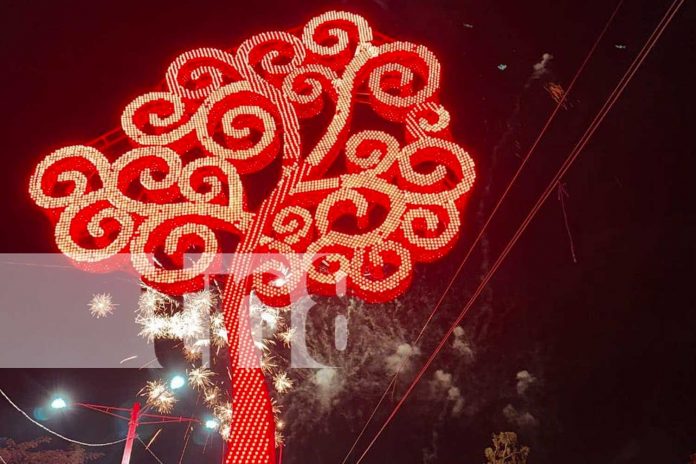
[59, 403]
[211, 424]
[177, 382]
[134, 416]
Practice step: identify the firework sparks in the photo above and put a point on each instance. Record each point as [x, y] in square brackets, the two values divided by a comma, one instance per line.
[218, 330]
[225, 431]
[101, 305]
[154, 437]
[264, 345]
[224, 413]
[557, 93]
[211, 396]
[268, 363]
[282, 382]
[202, 301]
[270, 317]
[151, 300]
[201, 378]
[153, 326]
[159, 397]
[279, 438]
[287, 336]
[188, 324]
[192, 353]
[275, 408]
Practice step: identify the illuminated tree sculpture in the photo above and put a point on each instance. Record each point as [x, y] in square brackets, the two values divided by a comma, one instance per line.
[344, 124]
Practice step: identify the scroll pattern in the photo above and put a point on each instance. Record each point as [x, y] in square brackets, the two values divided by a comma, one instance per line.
[394, 202]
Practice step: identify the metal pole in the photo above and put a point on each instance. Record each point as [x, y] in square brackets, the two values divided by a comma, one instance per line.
[132, 426]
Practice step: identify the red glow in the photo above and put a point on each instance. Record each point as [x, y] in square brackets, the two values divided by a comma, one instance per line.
[371, 202]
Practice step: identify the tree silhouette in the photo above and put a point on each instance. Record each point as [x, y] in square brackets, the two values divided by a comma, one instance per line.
[30, 452]
[505, 450]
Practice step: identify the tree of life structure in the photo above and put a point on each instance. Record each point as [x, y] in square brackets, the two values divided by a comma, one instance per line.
[346, 124]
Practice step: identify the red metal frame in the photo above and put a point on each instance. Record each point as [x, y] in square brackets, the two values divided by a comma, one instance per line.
[135, 414]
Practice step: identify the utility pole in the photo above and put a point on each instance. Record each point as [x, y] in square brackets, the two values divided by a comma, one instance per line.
[130, 438]
[135, 419]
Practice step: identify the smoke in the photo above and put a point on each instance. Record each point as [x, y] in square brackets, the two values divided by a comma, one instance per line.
[442, 385]
[461, 345]
[328, 386]
[455, 396]
[541, 67]
[343, 393]
[441, 380]
[401, 359]
[430, 454]
[519, 419]
[524, 381]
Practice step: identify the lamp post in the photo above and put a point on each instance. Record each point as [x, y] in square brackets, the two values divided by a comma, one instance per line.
[130, 438]
[135, 417]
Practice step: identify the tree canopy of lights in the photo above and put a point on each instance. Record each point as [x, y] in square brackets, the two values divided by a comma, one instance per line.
[222, 115]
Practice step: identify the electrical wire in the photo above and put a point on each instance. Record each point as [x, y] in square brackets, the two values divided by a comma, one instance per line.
[609, 103]
[147, 448]
[495, 209]
[38, 424]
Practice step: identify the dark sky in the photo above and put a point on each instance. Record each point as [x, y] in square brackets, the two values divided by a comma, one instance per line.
[613, 336]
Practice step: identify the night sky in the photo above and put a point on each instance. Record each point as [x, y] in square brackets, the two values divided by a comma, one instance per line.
[610, 338]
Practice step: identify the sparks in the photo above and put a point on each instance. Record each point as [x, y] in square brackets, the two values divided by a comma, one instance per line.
[279, 438]
[282, 382]
[200, 378]
[224, 412]
[264, 345]
[192, 353]
[211, 395]
[159, 397]
[557, 93]
[153, 326]
[219, 338]
[218, 331]
[186, 325]
[268, 363]
[202, 301]
[154, 437]
[286, 336]
[101, 305]
[275, 408]
[270, 317]
[151, 300]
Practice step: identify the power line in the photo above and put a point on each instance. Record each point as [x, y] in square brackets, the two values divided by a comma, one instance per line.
[495, 209]
[618, 90]
[38, 424]
[147, 448]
